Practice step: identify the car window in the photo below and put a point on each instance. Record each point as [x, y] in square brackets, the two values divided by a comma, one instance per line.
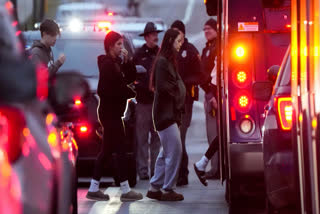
[285, 75]
[81, 55]
[83, 14]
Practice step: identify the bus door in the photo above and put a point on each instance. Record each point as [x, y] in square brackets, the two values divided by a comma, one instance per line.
[306, 101]
[253, 35]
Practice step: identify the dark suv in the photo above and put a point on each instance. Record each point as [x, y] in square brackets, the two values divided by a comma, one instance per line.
[277, 146]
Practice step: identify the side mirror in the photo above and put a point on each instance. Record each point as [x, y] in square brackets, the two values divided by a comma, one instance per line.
[66, 87]
[262, 90]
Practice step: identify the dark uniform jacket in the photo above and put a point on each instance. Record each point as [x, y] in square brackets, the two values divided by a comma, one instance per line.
[169, 95]
[112, 86]
[43, 54]
[207, 61]
[189, 67]
[144, 57]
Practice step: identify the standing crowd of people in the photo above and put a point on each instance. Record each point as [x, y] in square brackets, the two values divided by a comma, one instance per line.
[165, 90]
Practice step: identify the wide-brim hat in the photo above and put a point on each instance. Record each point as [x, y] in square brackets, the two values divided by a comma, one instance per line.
[150, 28]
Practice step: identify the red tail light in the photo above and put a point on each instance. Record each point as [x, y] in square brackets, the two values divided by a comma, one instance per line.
[12, 124]
[241, 78]
[104, 25]
[42, 82]
[77, 102]
[83, 129]
[242, 101]
[284, 107]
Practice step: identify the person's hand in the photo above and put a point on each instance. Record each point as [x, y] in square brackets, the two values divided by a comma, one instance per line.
[124, 53]
[213, 102]
[62, 58]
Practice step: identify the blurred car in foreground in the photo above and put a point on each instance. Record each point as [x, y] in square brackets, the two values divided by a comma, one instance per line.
[277, 140]
[36, 167]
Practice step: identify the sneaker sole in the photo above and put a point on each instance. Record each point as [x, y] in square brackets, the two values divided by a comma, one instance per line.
[97, 199]
[154, 197]
[129, 199]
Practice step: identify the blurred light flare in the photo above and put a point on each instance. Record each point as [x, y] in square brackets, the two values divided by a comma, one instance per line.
[240, 51]
[45, 161]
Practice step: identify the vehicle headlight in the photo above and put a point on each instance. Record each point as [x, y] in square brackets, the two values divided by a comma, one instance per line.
[75, 25]
[246, 126]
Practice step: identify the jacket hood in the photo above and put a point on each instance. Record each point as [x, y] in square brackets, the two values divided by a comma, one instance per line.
[101, 59]
[38, 44]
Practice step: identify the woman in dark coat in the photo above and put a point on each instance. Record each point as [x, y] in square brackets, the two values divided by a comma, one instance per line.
[113, 90]
[167, 110]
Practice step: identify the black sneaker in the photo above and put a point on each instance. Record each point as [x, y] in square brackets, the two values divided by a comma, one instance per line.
[144, 177]
[131, 196]
[98, 196]
[201, 175]
[172, 196]
[154, 195]
[182, 182]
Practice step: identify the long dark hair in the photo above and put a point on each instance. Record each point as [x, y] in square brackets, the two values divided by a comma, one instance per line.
[167, 51]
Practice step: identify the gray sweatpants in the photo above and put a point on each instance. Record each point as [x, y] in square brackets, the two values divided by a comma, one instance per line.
[168, 161]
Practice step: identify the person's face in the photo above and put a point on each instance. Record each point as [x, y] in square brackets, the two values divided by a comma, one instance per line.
[178, 42]
[209, 33]
[50, 40]
[182, 34]
[117, 47]
[152, 39]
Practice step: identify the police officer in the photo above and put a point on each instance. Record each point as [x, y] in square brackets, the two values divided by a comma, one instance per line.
[143, 59]
[208, 60]
[189, 67]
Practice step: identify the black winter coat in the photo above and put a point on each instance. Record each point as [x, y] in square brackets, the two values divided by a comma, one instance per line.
[189, 66]
[208, 56]
[112, 86]
[144, 57]
[169, 95]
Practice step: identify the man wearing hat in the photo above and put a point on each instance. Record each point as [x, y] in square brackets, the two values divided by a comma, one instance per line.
[208, 60]
[189, 67]
[144, 58]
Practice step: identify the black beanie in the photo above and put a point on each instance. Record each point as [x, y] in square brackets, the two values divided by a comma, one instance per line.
[179, 25]
[212, 23]
[110, 39]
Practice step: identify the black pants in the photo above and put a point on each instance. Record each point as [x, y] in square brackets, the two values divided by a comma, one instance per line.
[214, 146]
[186, 120]
[113, 142]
